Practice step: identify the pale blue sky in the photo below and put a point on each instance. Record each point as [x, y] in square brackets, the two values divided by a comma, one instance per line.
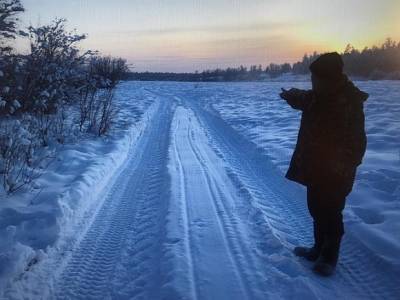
[188, 35]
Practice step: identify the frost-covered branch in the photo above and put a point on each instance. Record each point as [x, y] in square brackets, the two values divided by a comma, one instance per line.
[40, 90]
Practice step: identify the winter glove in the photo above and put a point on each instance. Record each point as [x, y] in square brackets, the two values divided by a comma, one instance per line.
[296, 98]
[291, 94]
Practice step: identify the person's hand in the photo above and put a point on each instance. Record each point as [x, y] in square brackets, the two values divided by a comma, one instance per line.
[289, 94]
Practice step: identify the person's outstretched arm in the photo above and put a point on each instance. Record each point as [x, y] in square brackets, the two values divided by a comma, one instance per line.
[296, 98]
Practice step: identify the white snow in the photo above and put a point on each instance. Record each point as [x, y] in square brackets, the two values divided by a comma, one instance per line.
[187, 200]
[51, 213]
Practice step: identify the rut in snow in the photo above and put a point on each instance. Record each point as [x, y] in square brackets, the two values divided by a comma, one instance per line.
[211, 236]
[119, 257]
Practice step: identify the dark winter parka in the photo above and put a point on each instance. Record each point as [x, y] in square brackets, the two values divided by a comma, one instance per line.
[331, 141]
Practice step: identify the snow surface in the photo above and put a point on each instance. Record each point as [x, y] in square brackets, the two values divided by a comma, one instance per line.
[35, 221]
[191, 203]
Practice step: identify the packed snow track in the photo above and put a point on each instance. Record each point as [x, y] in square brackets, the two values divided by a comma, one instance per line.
[119, 256]
[198, 212]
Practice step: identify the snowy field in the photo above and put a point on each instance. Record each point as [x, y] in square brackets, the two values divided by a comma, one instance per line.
[188, 200]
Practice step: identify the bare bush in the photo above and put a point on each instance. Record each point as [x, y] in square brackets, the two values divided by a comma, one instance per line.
[96, 102]
[101, 112]
[86, 104]
[107, 112]
[108, 70]
[38, 89]
[54, 68]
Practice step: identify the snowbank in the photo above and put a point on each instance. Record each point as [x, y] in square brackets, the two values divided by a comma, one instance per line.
[34, 222]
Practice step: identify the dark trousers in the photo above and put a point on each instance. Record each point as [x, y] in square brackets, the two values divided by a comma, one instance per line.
[326, 205]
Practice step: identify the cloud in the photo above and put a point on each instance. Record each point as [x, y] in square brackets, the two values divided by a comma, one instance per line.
[215, 29]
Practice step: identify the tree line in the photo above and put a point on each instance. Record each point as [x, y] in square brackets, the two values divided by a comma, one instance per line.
[48, 94]
[376, 62]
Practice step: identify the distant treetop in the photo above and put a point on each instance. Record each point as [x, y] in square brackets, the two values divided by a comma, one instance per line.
[376, 62]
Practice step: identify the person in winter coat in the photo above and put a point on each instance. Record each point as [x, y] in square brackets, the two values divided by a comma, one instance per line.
[331, 144]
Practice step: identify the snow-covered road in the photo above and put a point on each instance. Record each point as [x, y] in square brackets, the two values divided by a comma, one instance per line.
[198, 212]
[213, 238]
[119, 256]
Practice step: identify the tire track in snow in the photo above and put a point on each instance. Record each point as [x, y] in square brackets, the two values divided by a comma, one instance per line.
[188, 234]
[218, 209]
[216, 270]
[119, 257]
[258, 278]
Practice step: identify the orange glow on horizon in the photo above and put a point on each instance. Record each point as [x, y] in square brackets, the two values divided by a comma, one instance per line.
[189, 35]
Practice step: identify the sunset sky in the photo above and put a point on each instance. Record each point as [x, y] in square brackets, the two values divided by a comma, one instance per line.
[188, 35]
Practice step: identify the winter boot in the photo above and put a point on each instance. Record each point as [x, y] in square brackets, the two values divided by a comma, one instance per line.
[312, 253]
[324, 267]
[326, 263]
[309, 253]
